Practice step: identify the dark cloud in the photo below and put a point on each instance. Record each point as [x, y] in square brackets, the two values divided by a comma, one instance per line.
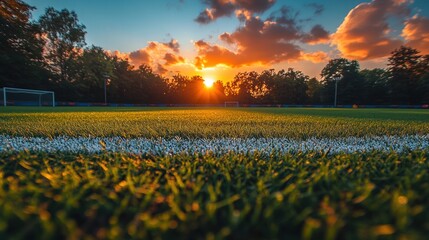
[173, 45]
[218, 8]
[317, 8]
[288, 15]
[285, 15]
[223, 8]
[255, 6]
[317, 35]
[226, 37]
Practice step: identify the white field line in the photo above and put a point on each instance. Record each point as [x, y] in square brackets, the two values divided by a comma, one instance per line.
[178, 145]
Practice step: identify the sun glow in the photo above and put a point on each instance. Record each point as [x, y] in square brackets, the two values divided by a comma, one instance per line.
[208, 82]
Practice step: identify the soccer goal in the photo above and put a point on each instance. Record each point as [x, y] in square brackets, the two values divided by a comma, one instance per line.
[232, 104]
[26, 97]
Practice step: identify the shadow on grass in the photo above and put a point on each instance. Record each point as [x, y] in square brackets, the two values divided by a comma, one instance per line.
[421, 115]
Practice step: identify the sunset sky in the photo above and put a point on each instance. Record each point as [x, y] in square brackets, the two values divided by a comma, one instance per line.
[219, 38]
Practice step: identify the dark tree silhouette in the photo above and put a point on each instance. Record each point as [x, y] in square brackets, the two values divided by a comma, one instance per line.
[95, 69]
[176, 88]
[21, 61]
[423, 81]
[350, 85]
[244, 88]
[314, 91]
[65, 37]
[376, 86]
[147, 86]
[289, 87]
[121, 81]
[403, 67]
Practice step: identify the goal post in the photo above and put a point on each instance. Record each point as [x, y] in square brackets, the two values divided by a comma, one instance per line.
[231, 104]
[26, 97]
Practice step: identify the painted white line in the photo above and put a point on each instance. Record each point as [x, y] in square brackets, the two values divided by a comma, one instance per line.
[217, 146]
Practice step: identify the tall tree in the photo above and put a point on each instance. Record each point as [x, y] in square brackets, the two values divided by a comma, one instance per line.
[94, 72]
[376, 86]
[423, 90]
[149, 86]
[289, 87]
[176, 88]
[122, 77]
[194, 91]
[314, 88]
[350, 86]
[65, 37]
[404, 69]
[264, 85]
[244, 87]
[216, 95]
[423, 82]
[21, 62]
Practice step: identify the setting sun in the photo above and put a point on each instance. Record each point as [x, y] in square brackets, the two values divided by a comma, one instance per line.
[208, 82]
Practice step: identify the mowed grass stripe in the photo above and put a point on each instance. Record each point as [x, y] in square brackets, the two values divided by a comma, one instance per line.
[298, 196]
[212, 122]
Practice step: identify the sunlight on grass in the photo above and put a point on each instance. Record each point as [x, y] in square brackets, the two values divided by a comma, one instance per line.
[213, 122]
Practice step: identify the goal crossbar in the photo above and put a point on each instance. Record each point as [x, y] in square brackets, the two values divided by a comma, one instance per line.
[6, 90]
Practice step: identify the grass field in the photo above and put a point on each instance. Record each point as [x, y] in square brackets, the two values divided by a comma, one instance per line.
[375, 194]
[212, 123]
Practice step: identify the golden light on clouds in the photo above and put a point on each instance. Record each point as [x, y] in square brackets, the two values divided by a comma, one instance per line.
[364, 33]
[280, 39]
[416, 32]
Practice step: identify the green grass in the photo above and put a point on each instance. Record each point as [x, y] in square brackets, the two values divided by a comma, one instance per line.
[211, 123]
[303, 196]
[376, 195]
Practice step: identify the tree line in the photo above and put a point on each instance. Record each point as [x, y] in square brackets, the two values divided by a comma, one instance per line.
[51, 54]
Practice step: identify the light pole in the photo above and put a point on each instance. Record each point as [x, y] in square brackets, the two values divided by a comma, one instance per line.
[106, 81]
[336, 90]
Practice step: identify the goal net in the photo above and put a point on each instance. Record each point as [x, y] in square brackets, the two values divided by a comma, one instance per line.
[26, 97]
[231, 104]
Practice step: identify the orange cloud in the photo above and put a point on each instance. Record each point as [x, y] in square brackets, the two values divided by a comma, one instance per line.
[140, 57]
[257, 42]
[416, 32]
[159, 56]
[364, 33]
[118, 54]
[261, 42]
[315, 57]
[171, 59]
[212, 55]
[161, 69]
[243, 15]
